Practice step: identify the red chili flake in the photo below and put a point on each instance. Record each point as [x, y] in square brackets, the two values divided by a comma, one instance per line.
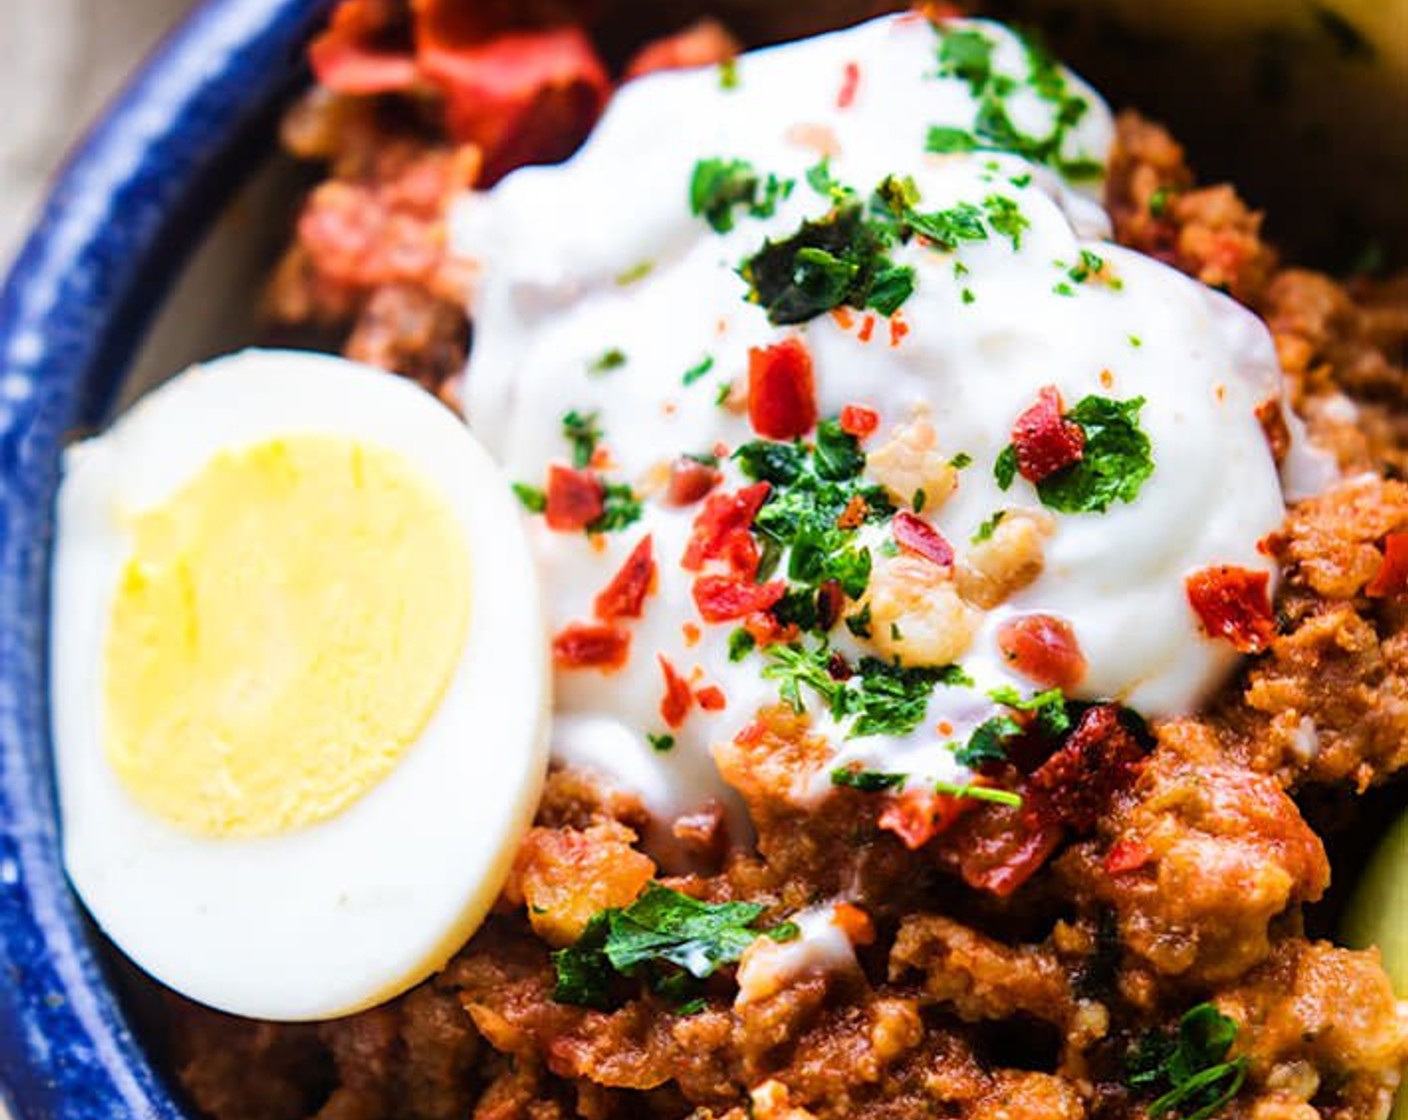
[1002, 846]
[576, 498]
[591, 645]
[690, 481]
[678, 698]
[1392, 576]
[914, 534]
[765, 630]
[691, 633]
[843, 318]
[917, 816]
[849, 85]
[781, 390]
[1044, 440]
[1234, 603]
[721, 528]
[726, 598]
[898, 329]
[867, 328]
[711, 698]
[1127, 854]
[859, 421]
[624, 596]
[1098, 759]
[1044, 649]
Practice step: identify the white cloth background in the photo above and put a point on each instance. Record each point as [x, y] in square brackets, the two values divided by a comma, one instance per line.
[60, 60]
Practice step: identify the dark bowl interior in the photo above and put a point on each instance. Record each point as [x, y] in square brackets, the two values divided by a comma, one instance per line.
[148, 257]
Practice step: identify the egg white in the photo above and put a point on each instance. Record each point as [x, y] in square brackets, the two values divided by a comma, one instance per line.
[342, 915]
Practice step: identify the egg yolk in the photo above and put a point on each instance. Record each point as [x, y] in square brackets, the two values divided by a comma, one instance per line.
[284, 629]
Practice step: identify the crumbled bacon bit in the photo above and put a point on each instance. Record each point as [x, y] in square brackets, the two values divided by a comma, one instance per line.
[711, 698]
[914, 534]
[705, 43]
[854, 922]
[726, 598]
[1392, 576]
[575, 499]
[1044, 440]
[1099, 758]
[678, 698]
[1001, 847]
[1235, 604]
[1127, 854]
[1044, 649]
[853, 516]
[859, 421]
[591, 645]
[690, 481]
[721, 530]
[781, 390]
[624, 596]
[830, 600]
[918, 815]
[850, 84]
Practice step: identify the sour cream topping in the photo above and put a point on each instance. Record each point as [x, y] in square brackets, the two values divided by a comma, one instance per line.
[600, 292]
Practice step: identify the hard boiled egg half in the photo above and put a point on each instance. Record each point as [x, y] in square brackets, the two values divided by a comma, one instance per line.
[299, 683]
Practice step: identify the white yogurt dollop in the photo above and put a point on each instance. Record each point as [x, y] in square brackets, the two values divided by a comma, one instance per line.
[602, 256]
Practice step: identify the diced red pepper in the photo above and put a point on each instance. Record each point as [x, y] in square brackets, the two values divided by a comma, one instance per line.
[690, 481]
[1127, 854]
[678, 698]
[765, 630]
[1044, 440]
[711, 698]
[576, 498]
[1000, 847]
[781, 390]
[914, 534]
[918, 815]
[721, 529]
[1044, 649]
[727, 598]
[522, 96]
[1098, 759]
[591, 645]
[1235, 604]
[850, 84]
[624, 596]
[705, 43]
[854, 922]
[363, 51]
[859, 421]
[1392, 576]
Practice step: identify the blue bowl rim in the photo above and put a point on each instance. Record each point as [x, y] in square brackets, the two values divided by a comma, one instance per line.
[136, 195]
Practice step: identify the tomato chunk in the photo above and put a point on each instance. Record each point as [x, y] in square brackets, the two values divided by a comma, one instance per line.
[1392, 577]
[918, 815]
[781, 390]
[1235, 604]
[914, 534]
[1044, 440]
[624, 596]
[575, 499]
[711, 698]
[721, 530]
[1126, 854]
[859, 421]
[591, 645]
[1044, 649]
[1000, 847]
[678, 698]
[705, 43]
[1098, 759]
[690, 481]
[726, 598]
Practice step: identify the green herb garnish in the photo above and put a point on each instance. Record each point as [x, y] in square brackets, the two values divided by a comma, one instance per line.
[582, 433]
[698, 370]
[867, 781]
[532, 498]
[1190, 1065]
[607, 361]
[719, 187]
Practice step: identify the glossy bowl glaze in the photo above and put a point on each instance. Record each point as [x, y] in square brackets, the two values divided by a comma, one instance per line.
[137, 198]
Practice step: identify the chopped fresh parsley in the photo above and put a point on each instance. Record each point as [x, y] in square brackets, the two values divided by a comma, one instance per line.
[728, 74]
[622, 509]
[1114, 465]
[1190, 1065]
[979, 793]
[988, 527]
[961, 461]
[719, 187]
[859, 623]
[532, 498]
[660, 742]
[698, 370]
[988, 743]
[582, 433]
[635, 272]
[881, 698]
[967, 54]
[666, 938]
[1006, 217]
[1158, 202]
[740, 644]
[1047, 709]
[867, 781]
[608, 360]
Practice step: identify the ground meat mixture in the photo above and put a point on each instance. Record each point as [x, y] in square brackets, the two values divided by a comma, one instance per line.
[1183, 885]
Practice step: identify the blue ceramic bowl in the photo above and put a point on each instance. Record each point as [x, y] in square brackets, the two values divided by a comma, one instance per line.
[133, 200]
